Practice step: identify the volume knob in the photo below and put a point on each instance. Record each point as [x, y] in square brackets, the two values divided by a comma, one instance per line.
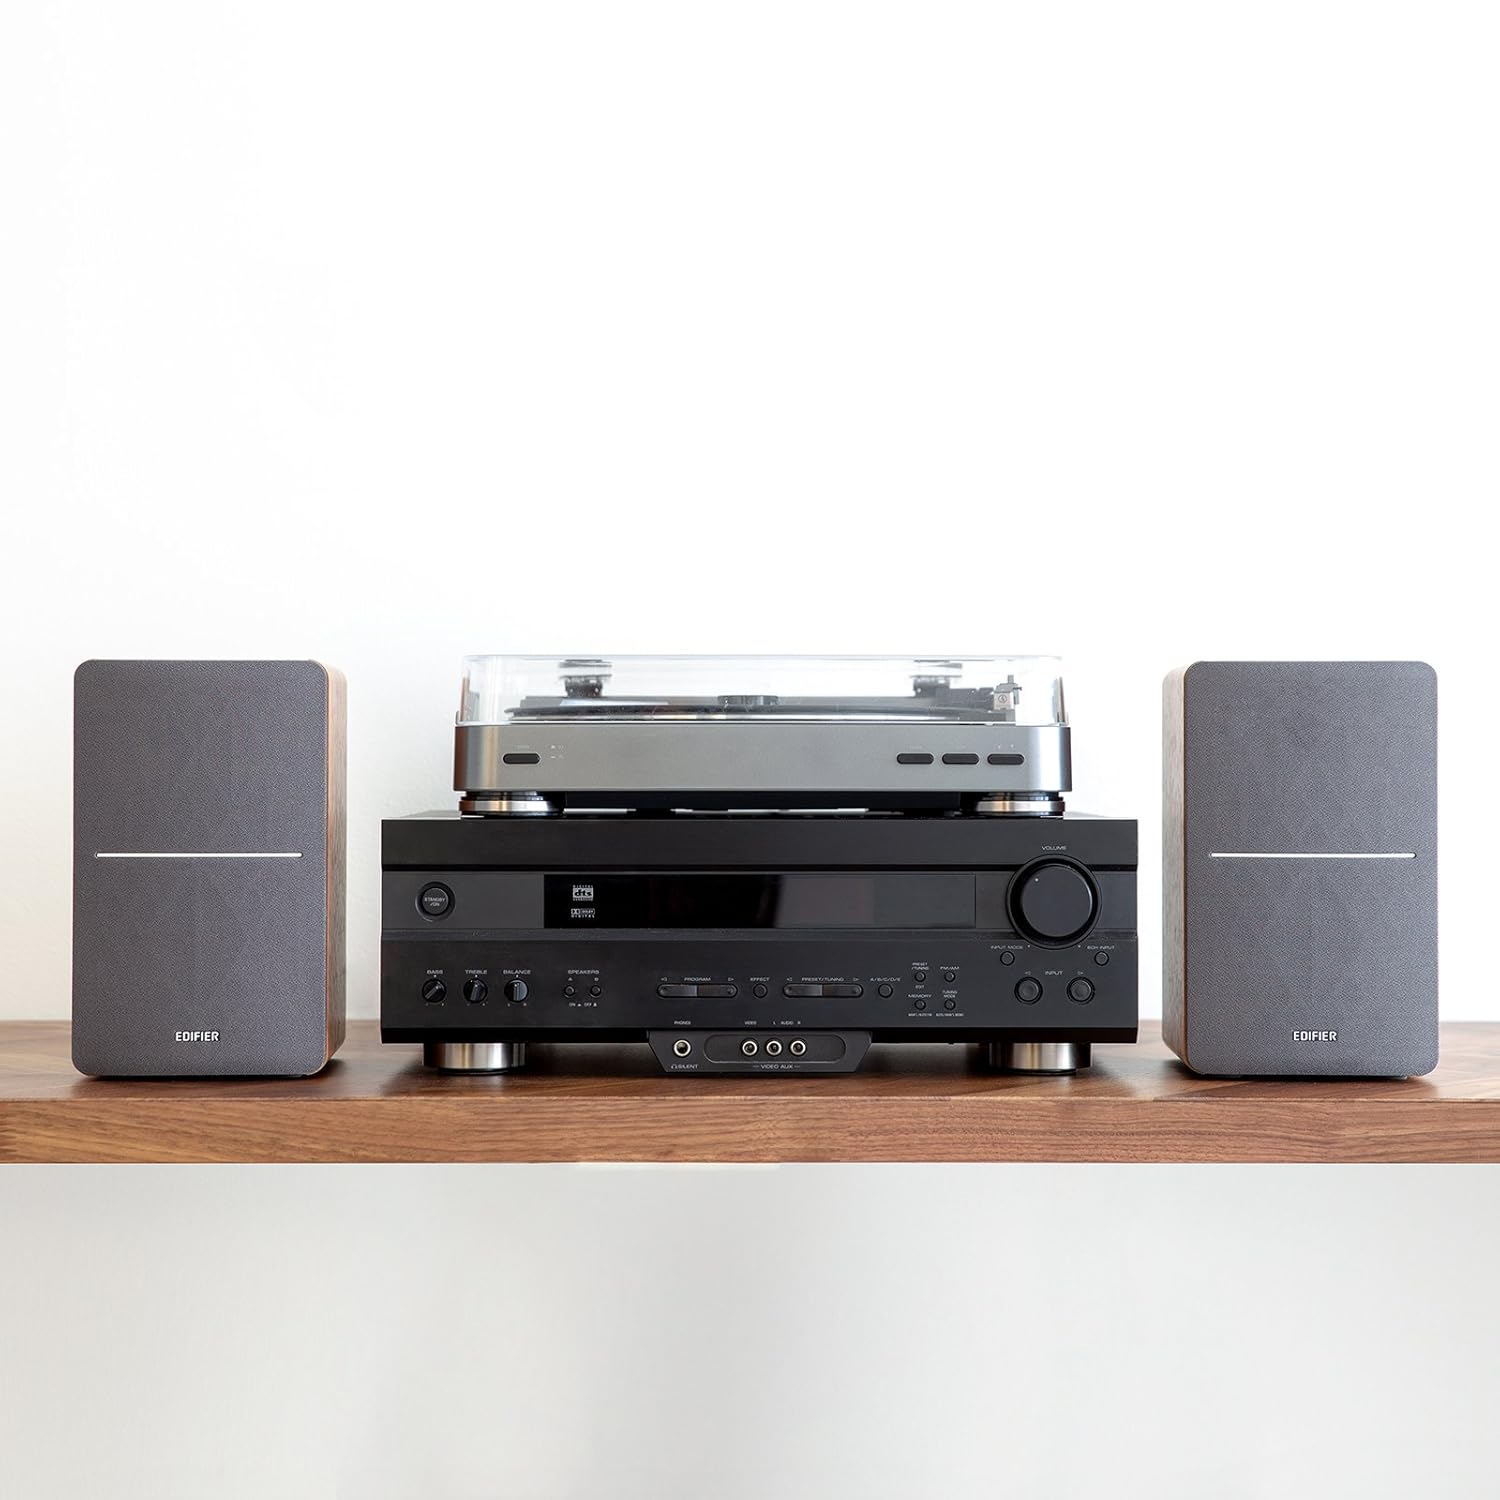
[1054, 902]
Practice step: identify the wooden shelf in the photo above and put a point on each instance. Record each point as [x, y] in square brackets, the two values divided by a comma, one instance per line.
[609, 1103]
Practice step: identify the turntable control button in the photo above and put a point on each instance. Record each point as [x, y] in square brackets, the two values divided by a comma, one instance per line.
[1081, 990]
[718, 991]
[885, 992]
[913, 758]
[802, 991]
[844, 991]
[516, 991]
[433, 991]
[1028, 991]
[677, 991]
[476, 991]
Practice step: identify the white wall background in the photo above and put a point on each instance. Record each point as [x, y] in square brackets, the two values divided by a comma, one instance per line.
[1030, 1333]
[383, 333]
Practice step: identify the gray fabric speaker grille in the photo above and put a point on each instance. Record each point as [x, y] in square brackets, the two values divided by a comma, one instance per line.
[204, 758]
[1310, 758]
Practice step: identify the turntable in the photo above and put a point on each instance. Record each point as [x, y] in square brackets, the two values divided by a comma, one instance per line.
[547, 734]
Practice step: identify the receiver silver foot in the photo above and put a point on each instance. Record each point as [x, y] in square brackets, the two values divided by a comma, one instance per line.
[1037, 1057]
[474, 1057]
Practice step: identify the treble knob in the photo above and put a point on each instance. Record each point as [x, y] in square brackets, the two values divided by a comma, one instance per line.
[1054, 902]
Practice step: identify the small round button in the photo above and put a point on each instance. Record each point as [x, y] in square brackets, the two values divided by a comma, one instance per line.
[1029, 991]
[515, 990]
[949, 976]
[759, 991]
[433, 991]
[569, 991]
[595, 991]
[885, 992]
[920, 977]
[920, 1004]
[476, 991]
[1101, 958]
[435, 900]
[950, 1004]
[1081, 990]
[1007, 958]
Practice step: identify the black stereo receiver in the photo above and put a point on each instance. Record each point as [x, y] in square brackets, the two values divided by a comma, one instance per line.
[743, 943]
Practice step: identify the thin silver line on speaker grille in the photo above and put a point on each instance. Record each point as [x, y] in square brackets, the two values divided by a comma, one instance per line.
[216, 854]
[1215, 854]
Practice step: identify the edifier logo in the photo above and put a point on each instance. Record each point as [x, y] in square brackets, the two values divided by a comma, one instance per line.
[1315, 1036]
[197, 1036]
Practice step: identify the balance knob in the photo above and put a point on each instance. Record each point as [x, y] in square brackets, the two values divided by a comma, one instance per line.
[1054, 901]
[515, 990]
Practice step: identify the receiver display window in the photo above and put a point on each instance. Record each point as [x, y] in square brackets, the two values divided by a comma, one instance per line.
[756, 900]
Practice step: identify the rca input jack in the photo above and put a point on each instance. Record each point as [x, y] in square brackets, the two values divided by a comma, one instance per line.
[798, 1047]
[773, 1048]
[749, 1046]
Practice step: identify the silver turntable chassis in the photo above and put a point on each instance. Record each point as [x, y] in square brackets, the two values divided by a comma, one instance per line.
[521, 766]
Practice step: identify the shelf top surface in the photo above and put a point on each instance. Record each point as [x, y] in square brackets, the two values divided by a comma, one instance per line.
[590, 1102]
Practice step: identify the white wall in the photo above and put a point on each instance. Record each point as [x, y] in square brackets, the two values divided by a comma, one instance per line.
[386, 333]
[955, 1332]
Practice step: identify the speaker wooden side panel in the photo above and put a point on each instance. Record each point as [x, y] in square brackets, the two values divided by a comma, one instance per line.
[1173, 866]
[338, 825]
